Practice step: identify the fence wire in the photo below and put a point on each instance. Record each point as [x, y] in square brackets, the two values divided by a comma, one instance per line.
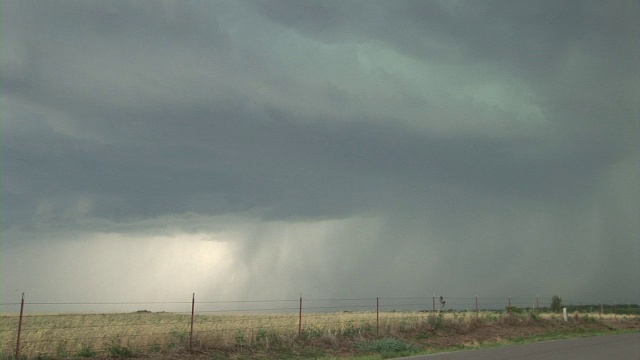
[242, 321]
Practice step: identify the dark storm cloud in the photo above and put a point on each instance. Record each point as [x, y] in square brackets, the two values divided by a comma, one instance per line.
[515, 32]
[288, 169]
[531, 40]
[446, 137]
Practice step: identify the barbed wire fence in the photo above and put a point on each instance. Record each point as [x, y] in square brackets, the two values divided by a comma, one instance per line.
[239, 322]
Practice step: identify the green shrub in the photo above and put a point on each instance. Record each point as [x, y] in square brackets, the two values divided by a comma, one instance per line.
[119, 351]
[87, 352]
[556, 303]
[179, 339]
[386, 345]
[513, 310]
[435, 320]
[350, 331]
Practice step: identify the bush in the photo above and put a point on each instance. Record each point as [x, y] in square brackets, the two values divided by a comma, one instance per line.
[513, 310]
[556, 303]
[386, 345]
[119, 351]
[87, 352]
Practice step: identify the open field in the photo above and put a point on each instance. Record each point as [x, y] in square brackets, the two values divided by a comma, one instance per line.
[263, 335]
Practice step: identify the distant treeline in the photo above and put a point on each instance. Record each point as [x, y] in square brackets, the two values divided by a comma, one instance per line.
[607, 309]
[622, 309]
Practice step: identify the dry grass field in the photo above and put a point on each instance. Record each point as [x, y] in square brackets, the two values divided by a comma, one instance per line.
[263, 335]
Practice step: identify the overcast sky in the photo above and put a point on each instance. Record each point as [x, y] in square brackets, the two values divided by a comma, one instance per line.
[261, 149]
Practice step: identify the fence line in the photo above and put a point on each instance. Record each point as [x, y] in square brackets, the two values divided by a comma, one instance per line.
[313, 309]
[426, 304]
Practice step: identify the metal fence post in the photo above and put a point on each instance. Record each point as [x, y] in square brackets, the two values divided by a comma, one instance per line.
[19, 327]
[193, 305]
[377, 315]
[300, 317]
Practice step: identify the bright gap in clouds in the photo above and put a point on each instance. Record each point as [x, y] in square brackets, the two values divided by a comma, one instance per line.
[120, 268]
[242, 259]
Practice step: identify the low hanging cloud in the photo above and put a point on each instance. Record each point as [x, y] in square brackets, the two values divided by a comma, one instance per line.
[339, 149]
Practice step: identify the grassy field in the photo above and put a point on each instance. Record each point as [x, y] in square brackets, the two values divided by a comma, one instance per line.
[227, 336]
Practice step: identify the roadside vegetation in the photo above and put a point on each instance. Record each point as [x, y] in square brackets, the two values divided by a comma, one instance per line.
[263, 336]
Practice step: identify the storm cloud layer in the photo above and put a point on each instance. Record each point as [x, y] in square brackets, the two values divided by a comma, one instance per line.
[258, 149]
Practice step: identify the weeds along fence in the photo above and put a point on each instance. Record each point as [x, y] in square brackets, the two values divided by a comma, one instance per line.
[30, 331]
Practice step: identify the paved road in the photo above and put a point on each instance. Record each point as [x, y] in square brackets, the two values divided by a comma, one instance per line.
[619, 347]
